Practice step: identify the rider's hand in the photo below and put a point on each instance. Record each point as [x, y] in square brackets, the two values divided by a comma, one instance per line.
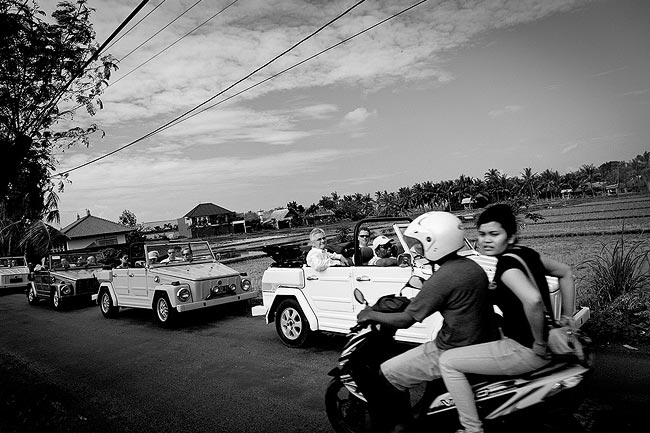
[568, 321]
[364, 315]
[541, 350]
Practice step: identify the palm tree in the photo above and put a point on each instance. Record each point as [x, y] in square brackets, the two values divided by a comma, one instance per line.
[549, 182]
[404, 200]
[492, 179]
[528, 181]
[588, 173]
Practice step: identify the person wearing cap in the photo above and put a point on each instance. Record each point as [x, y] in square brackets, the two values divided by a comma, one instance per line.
[383, 249]
[153, 257]
[320, 259]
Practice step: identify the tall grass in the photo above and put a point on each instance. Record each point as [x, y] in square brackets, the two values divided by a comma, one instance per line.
[619, 291]
[619, 270]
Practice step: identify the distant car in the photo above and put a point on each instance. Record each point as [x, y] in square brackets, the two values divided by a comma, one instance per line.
[13, 273]
[66, 277]
[169, 285]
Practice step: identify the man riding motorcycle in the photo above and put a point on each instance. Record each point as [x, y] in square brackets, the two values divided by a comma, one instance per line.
[458, 290]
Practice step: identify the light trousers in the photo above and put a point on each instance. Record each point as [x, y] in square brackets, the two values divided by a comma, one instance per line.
[502, 357]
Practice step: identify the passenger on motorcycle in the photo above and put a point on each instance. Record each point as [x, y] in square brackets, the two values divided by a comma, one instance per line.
[458, 290]
[523, 346]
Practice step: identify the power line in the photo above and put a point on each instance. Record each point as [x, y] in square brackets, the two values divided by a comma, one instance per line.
[185, 116]
[168, 46]
[46, 110]
[135, 25]
[163, 28]
[295, 65]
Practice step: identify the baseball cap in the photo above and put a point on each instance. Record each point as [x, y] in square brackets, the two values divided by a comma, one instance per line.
[153, 254]
[380, 240]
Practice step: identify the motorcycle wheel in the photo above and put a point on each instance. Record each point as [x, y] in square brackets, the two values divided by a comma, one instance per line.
[345, 412]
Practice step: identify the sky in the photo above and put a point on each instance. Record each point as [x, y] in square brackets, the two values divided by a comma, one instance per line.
[447, 88]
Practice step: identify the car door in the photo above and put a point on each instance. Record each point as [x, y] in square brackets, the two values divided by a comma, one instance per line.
[329, 292]
[121, 282]
[138, 290]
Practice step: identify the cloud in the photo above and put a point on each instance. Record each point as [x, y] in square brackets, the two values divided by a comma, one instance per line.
[637, 92]
[508, 109]
[358, 116]
[569, 148]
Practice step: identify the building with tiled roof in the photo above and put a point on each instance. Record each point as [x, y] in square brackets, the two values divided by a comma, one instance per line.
[91, 231]
[205, 220]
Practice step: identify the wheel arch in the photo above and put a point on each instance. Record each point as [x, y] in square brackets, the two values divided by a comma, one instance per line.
[111, 291]
[168, 290]
[283, 293]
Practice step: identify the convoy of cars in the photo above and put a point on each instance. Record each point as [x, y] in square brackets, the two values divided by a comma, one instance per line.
[169, 278]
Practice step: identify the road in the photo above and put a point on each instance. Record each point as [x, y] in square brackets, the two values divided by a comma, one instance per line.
[220, 371]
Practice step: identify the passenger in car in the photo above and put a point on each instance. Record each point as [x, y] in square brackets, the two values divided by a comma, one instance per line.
[319, 258]
[186, 253]
[91, 260]
[153, 257]
[65, 264]
[171, 256]
[124, 261]
[384, 250]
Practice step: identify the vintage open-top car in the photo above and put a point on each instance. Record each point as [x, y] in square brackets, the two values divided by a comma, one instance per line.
[66, 277]
[301, 300]
[13, 272]
[170, 278]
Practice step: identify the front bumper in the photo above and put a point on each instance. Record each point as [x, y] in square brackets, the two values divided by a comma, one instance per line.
[217, 301]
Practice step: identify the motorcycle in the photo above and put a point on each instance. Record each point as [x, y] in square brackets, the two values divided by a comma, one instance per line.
[498, 398]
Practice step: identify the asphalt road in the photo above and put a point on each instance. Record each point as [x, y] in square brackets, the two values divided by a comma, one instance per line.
[220, 371]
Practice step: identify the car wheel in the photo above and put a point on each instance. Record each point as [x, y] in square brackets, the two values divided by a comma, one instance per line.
[165, 313]
[57, 301]
[106, 305]
[291, 324]
[32, 299]
[345, 412]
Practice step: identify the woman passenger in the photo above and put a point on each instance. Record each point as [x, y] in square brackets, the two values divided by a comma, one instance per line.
[523, 346]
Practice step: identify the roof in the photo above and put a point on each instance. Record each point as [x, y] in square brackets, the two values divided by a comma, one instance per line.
[277, 215]
[207, 209]
[467, 200]
[92, 226]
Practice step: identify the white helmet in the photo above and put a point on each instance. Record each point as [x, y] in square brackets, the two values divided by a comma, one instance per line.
[437, 233]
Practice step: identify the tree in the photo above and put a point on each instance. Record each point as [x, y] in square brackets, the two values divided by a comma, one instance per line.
[127, 218]
[588, 173]
[37, 60]
[528, 182]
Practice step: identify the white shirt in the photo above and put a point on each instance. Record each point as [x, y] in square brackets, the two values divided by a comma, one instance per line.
[321, 260]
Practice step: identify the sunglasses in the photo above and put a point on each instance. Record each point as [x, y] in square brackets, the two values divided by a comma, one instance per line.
[319, 239]
[364, 236]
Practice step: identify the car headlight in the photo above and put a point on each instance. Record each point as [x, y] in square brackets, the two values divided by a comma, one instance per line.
[183, 294]
[245, 285]
[66, 290]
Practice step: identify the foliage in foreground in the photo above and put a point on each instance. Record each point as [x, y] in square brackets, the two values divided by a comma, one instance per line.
[619, 294]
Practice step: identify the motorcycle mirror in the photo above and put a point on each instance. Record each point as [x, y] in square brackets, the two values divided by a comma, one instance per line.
[415, 282]
[358, 295]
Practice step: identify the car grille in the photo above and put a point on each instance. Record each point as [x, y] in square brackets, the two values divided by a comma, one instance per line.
[87, 287]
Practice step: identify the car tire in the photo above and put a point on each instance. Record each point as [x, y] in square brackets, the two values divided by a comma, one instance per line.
[165, 313]
[57, 301]
[32, 298]
[291, 324]
[106, 305]
[345, 412]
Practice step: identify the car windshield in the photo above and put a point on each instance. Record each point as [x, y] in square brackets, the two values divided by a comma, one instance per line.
[76, 260]
[166, 254]
[12, 262]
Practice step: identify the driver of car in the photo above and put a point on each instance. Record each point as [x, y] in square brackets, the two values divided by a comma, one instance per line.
[186, 253]
[171, 256]
[384, 252]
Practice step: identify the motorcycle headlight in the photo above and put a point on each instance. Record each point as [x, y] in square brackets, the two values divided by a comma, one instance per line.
[245, 285]
[183, 294]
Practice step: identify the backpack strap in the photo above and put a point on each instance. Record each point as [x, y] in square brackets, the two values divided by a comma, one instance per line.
[546, 300]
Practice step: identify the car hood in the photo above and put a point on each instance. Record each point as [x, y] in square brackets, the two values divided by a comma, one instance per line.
[73, 275]
[196, 271]
[16, 270]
